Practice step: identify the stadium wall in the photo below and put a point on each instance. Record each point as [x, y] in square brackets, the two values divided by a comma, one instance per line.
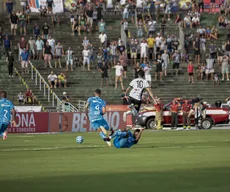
[44, 122]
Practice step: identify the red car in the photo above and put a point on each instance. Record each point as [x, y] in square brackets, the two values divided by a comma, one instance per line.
[214, 116]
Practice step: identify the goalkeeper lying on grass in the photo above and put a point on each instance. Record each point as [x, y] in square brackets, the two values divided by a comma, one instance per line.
[125, 138]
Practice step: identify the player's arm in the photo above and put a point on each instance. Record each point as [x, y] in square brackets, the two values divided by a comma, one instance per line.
[13, 112]
[127, 90]
[103, 110]
[150, 93]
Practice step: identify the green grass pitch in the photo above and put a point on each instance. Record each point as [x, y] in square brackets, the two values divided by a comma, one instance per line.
[163, 161]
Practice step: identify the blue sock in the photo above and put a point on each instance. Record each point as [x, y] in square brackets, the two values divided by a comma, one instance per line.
[102, 135]
[118, 133]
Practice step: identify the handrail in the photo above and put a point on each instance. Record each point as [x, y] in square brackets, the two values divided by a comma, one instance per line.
[60, 105]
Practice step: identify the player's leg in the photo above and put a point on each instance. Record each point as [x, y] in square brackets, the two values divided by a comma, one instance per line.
[120, 142]
[103, 127]
[3, 132]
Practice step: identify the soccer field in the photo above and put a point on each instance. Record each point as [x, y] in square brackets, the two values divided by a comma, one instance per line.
[164, 161]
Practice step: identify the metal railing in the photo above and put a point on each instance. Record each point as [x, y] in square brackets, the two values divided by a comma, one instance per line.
[61, 106]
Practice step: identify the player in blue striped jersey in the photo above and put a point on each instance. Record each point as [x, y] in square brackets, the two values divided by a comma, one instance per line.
[6, 109]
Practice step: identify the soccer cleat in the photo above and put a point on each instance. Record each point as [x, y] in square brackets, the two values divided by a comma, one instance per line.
[106, 139]
[4, 137]
[109, 143]
[112, 132]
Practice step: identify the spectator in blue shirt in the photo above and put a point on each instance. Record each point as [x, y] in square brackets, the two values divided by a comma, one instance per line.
[7, 44]
[24, 59]
[36, 31]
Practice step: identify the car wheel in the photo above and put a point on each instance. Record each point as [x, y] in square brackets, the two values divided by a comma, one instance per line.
[206, 124]
[151, 124]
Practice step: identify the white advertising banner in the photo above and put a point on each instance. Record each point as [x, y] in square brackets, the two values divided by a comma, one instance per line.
[36, 4]
[28, 108]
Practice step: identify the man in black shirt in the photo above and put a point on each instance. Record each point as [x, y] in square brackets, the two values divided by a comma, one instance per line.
[89, 15]
[10, 60]
[47, 54]
[104, 74]
[14, 23]
[50, 4]
[46, 30]
[99, 12]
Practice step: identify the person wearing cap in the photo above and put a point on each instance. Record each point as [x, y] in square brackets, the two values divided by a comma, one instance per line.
[174, 108]
[95, 108]
[186, 108]
[24, 59]
[10, 60]
[69, 59]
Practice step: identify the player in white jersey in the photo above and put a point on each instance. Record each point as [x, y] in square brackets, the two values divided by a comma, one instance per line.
[136, 88]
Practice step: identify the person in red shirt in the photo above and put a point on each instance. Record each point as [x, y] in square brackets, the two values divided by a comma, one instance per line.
[174, 108]
[190, 70]
[29, 96]
[158, 108]
[186, 107]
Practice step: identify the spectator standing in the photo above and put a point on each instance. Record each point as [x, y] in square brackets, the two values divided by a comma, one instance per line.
[190, 70]
[103, 39]
[196, 46]
[120, 47]
[86, 58]
[133, 51]
[22, 22]
[58, 52]
[144, 47]
[101, 26]
[62, 80]
[9, 6]
[24, 60]
[176, 61]
[125, 24]
[69, 59]
[113, 52]
[151, 43]
[66, 102]
[7, 44]
[89, 15]
[37, 31]
[186, 108]
[165, 58]
[14, 23]
[209, 67]
[174, 113]
[10, 60]
[52, 80]
[50, 4]
[118, 75]
[51, 42]
[224, 67]
[158, 108]
[103, 68]
[32, 45]
[39, 48]
[23, 4]
[23, 44]
[46, 30]
[47, 54]
[123, 59]
[147, 69]
[158, 63]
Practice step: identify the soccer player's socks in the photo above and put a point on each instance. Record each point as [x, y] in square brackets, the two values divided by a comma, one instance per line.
[102, 135]
[118, 133]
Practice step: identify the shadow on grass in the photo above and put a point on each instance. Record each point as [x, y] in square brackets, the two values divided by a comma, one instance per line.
[196, 180]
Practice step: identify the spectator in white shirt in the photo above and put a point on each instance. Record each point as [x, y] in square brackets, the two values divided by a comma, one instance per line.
[52, 79]
[144, 47]
[103, 38]
[86, 58]
[69, 59]
[187, 22]
[118, 75]
[51, 42]
[209, 67]
[195, 21]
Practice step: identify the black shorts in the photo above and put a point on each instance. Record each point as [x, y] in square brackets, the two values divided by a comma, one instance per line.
[136, 103]
[125, 68]
[158, 69]
[176, 65]
[190, 74]
[197, 52]
[104, 75]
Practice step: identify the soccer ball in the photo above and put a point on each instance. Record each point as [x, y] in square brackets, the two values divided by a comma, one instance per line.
[79, 139]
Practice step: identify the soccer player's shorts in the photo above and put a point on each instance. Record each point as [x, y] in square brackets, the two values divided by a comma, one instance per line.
[96, 124]
[120, 142]
[3, 127]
